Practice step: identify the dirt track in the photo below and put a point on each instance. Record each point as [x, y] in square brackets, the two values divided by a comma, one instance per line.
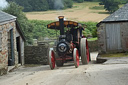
[92, 74]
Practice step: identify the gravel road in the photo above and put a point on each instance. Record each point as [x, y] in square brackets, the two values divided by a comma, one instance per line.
[92, 74]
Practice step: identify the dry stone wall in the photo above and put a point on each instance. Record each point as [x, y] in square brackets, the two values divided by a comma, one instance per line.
[36, 55]
[93, 45]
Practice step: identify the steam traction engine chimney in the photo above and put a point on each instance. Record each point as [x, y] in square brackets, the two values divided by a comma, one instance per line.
[61, 23]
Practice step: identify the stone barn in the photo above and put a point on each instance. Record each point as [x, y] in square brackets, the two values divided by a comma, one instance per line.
[11, 43]
[113, 32]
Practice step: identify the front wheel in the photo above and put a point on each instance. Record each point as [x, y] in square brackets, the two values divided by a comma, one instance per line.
[76, 57]
[51, 59]
[85, 54]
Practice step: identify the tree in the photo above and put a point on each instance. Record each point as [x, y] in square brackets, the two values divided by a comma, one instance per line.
[79, 1]
[68, 3]
[25, 25]
[110, 5]
[41, 5]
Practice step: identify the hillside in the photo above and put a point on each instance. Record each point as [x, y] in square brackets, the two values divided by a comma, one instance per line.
[87, 11]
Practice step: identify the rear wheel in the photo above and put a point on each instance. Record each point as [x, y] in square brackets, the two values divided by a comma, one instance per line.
[84, 51]
[51, 59]
[76, 57]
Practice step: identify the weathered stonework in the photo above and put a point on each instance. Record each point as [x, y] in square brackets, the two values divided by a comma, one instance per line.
[36, 55]
[93, 46]
[5, 28]
[101, 38]
[11, 42]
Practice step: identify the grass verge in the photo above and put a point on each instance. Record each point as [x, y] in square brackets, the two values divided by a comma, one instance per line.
[92, 39]
[115, 55]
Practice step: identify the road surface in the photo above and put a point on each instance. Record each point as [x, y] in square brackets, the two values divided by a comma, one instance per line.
[108, 73]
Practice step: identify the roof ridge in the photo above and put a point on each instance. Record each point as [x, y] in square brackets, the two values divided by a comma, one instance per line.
[8, 14]
[4, 17]
[119, 15]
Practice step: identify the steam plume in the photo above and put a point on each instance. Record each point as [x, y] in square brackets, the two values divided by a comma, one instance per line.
[58, 4]
[3, 4]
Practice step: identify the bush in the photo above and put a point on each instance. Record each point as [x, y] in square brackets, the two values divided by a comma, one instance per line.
[25, 25]
[40, 29]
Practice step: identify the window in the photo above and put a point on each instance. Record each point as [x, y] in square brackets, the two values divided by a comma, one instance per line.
[0, 41]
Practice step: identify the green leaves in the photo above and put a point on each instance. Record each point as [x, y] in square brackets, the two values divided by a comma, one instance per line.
[25, 25]
[40, 29]
[68, 3]
[41, 5]
[110, 5]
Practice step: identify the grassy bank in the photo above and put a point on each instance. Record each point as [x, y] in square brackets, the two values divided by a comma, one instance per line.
[115, 55]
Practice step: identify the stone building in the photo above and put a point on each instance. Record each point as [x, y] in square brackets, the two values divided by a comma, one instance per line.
[11, 43]
[113, 32]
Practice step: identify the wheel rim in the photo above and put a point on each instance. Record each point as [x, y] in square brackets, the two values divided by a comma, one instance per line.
[87, 51]
[51, 59]
[76, 57]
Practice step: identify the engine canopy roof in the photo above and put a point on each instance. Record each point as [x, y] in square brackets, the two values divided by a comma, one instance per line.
[68, 24]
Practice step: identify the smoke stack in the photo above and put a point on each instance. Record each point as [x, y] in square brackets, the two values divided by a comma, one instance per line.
[61, 24]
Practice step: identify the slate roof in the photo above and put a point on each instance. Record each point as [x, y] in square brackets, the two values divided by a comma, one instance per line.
[6, 17]
[120, 15]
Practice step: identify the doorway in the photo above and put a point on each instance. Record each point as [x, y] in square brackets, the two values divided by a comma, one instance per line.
[113, 36]
[18, 49]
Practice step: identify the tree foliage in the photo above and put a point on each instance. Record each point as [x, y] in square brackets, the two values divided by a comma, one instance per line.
[25, 25]
[68, 3]
[41, 5]
[41, 30]
[80, 1]
[110, 5]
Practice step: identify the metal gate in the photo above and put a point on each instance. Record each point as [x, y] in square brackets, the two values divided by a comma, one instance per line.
[113, 36]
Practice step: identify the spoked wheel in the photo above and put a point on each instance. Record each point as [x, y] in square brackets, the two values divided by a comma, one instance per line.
[51, 59]
[76, 57]
[84, 51]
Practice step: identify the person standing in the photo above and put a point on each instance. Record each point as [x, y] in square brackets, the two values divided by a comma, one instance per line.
[80, 29]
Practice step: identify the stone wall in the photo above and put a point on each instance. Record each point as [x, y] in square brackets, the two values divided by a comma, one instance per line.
[36, 55]
[93, 45]
[101, 38]
[4, 29]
